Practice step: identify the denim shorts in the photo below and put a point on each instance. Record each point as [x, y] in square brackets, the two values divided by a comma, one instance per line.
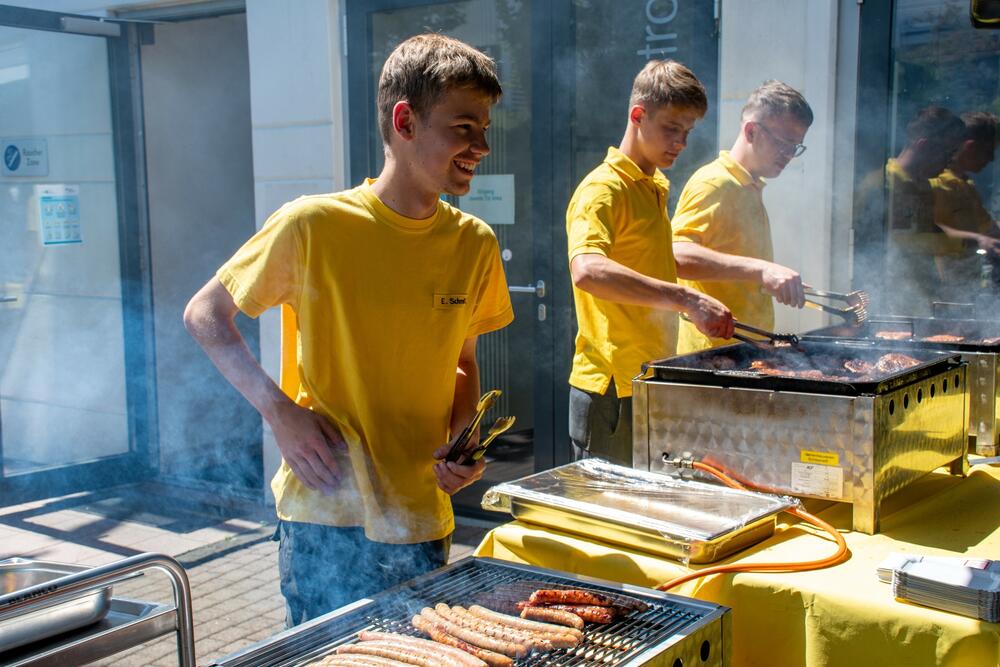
[600, 425]
[322, 568]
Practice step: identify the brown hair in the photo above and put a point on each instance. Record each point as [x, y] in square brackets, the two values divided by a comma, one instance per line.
[935, 123]
[425, 67]
[981, 127]
[774, 98]
[663, 82]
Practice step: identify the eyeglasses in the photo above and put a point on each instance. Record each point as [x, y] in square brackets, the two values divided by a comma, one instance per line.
[784, 147]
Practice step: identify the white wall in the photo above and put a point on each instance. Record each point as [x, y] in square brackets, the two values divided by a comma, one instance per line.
[795, 42]
[298, 123]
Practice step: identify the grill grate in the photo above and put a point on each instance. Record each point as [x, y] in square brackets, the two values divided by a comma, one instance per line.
[612, 644]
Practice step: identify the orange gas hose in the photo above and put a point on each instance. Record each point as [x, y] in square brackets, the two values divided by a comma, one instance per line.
[842, 553]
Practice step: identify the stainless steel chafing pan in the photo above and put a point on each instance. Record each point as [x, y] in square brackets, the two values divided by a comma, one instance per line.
[17, 574]
[668, 516]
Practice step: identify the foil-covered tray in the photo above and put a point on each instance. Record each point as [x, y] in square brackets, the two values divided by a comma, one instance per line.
[668, 516]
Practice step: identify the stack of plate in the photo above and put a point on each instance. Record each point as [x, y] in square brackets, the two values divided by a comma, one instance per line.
[949, 585]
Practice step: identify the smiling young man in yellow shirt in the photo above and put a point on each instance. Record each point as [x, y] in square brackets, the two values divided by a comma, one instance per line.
[624, 281]
[390, 287]
[722, 234]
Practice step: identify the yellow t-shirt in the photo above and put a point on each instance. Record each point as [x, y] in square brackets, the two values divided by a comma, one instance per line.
[721, 208]
[621, 213]
[384, 304]
[957, 204]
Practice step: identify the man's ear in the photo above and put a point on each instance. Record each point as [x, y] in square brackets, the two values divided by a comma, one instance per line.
[749, 130]
[404, 121]
[636, 114]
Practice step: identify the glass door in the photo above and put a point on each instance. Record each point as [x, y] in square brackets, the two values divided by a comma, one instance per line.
[517, 359]
[74, 387]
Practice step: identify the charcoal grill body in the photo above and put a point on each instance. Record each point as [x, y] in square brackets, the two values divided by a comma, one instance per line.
[673, 630]
[983, 360]
[851, 442]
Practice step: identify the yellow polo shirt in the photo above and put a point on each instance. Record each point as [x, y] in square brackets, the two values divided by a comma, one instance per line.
[621, 213]
[383, 305]
[957, 204]
[721, 208]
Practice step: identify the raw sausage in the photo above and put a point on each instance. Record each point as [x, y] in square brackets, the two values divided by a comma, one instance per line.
[476, 637]
[404, 653]
[463, 657]
[523, 624]
[538, 639]
[438, 634]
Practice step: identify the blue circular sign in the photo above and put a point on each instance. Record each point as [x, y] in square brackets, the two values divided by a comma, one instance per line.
[12, 157]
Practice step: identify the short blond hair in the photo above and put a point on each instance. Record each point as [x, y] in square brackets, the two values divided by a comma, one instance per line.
[667, 82]
[425, 67]
[774, 98]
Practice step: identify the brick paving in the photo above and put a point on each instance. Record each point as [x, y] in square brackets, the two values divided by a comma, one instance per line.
[235, 597]
[224, 546]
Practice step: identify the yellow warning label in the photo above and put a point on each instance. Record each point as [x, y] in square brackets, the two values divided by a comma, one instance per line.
[819, 458]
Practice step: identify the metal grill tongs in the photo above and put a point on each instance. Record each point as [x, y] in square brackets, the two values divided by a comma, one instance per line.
[857, 303]
[770, 337]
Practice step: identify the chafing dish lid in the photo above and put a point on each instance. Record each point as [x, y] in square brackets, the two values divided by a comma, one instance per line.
[673, 507]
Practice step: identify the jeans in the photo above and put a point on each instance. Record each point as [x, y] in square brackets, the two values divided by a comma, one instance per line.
[600, 425]
[322, 568]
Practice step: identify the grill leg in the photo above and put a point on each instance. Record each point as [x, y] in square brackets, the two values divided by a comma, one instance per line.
[866, 513]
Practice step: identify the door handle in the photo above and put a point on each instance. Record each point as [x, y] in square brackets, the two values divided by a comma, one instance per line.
[7, 299]
[538, 289]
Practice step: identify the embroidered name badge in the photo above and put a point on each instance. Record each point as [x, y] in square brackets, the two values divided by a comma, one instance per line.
[449, 300]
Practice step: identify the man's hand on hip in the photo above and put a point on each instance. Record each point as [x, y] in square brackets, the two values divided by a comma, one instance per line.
[307, 441]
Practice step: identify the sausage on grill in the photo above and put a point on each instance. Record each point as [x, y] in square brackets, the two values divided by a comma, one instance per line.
[476, 636]
[438, 634]
[570, 596]
[358, 660]
[461, 656]
[404, 653]
[558, 635]
[589, 613]
[538, 640]
[549, 615]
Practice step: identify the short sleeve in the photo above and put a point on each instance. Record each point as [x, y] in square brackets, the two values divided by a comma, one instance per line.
[267, 271]
[590, 221]
[492, 309]
[698, 214]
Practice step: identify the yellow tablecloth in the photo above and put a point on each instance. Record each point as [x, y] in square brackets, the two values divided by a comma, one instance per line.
[837, 616]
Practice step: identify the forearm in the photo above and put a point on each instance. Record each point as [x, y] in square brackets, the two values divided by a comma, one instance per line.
[213, 327]
[696, 262]
[611, 281]
[467, 390]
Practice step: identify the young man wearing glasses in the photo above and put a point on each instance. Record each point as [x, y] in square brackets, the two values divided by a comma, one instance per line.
[722, 237]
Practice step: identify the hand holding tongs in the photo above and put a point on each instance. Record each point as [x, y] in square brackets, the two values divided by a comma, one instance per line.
[772, 338]
[462, 441]
[857, 303]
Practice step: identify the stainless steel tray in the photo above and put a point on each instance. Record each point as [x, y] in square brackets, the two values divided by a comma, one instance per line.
[668, 516]
[17, 574]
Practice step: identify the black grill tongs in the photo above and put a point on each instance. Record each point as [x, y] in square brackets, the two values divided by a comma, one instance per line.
[770, 337]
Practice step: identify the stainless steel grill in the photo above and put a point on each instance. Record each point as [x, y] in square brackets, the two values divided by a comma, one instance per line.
[670, 628]
[848, 441]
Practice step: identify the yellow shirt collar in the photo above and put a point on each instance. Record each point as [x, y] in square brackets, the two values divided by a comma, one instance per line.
[741, 175]
[624, 164]
[386, 214]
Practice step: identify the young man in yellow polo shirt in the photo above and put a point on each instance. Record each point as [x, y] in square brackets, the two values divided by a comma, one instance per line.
[900, 199]
[624, 281]
[722, 236]
[390, 287]
[958, 207]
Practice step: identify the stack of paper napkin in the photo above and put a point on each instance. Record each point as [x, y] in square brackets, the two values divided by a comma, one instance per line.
[966, 586]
